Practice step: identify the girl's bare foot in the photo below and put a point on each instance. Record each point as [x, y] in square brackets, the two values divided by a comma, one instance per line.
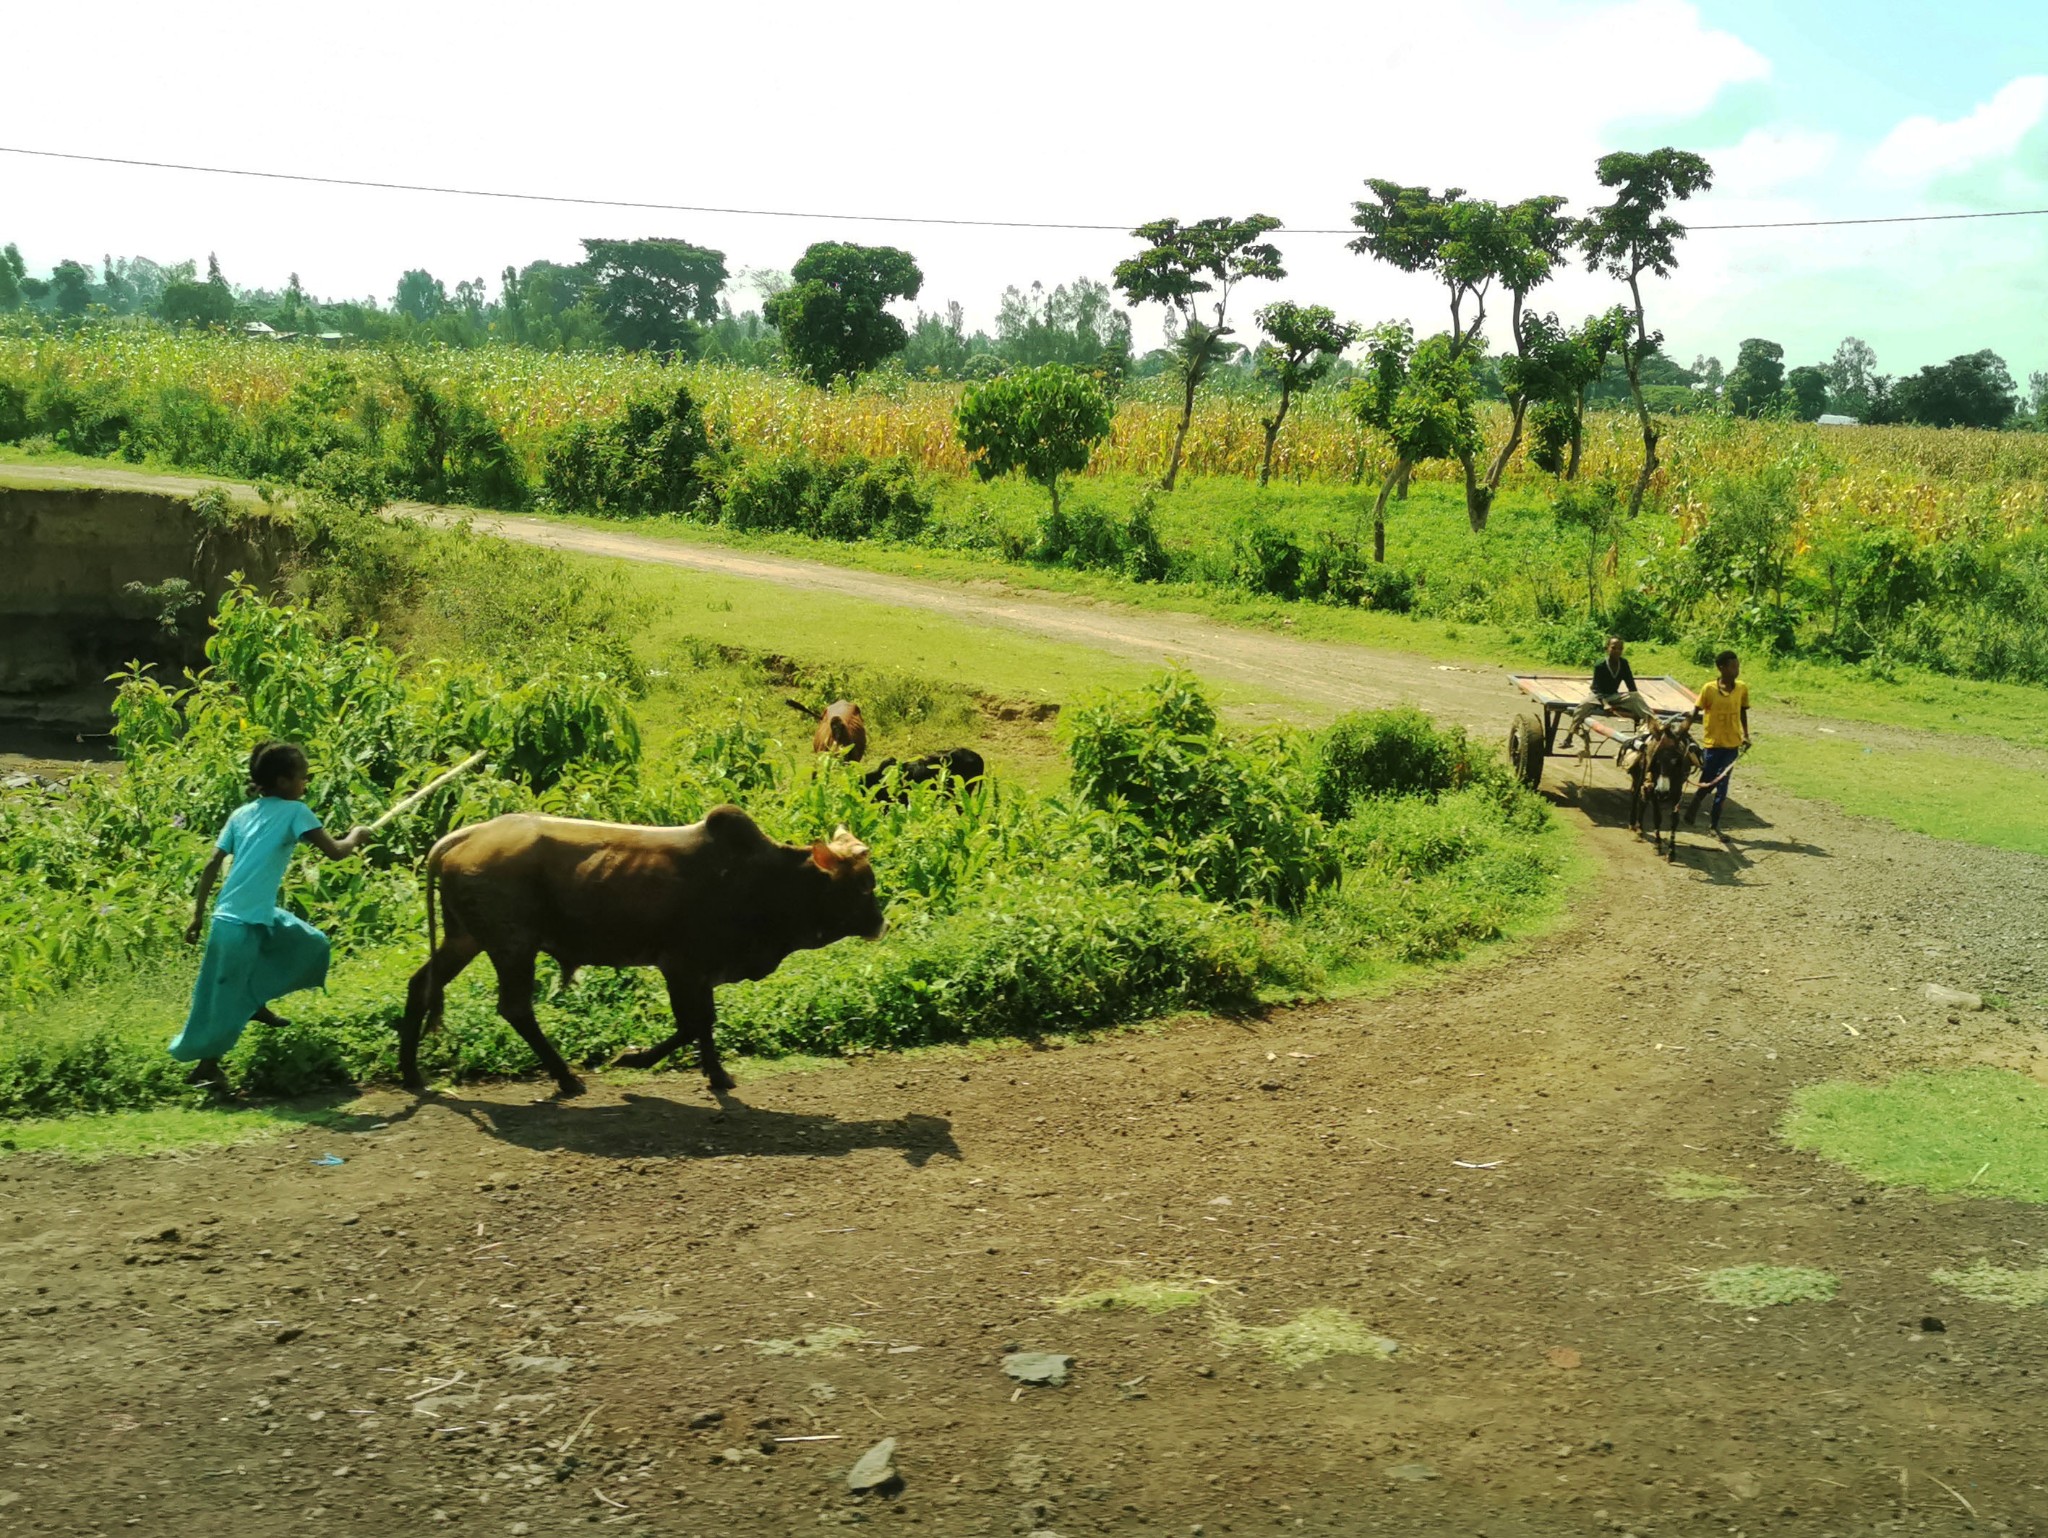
[209, 1076]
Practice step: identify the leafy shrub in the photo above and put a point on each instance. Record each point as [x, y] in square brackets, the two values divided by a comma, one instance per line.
[643, 461]
[1399, 752]
[846, 499]
[1191, 808]
[1088, 538]
[449, 450]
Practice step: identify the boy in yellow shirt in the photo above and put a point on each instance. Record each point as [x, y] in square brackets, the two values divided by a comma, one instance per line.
[1724, 702]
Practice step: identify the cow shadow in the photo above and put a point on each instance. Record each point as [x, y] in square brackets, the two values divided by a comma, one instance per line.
[649, 1126]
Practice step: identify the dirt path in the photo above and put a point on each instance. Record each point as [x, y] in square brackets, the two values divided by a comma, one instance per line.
[1325, 676]
[501, 1318]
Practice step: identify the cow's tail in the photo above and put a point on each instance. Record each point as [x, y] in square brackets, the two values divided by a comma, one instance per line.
[432, 1020]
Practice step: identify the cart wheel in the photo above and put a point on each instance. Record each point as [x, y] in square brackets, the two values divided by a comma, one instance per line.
[1526, 750]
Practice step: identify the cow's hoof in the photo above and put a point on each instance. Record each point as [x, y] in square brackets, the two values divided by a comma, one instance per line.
[416, 1084]
[721, 1082]
[643, 1057]
[569, 1089]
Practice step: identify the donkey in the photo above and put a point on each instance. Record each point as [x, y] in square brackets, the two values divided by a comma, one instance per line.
[1657, 778]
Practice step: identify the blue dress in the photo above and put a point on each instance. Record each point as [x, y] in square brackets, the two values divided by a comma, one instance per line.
[255, 951]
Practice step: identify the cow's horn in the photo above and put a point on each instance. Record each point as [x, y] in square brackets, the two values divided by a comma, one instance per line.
[845, 845]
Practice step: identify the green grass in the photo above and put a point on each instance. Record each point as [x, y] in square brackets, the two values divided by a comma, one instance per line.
[1150, 1297]
[1314, 1335]
[1985, 1283]
[1954, 795]
[1979, 1130]
[1693, 1186]
[1767, 1286]
[89, 1139]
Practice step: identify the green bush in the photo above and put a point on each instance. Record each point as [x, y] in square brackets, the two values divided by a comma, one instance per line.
[643, 461]
[1371, 753]
[1191, 808]
[844, 499]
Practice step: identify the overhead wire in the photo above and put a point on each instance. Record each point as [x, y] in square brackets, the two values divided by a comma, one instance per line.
[568, 199]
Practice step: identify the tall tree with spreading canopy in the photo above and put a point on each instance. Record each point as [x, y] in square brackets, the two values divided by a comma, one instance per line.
[1971, 390]
[1808, 385]
[71, 287]
[1629, 237]
[1536, 238]
[1191, 270]
[1044, 421]
[420, 296]
[652, 295]
[1851, 373]
[833, 316]
[1423, 398]
[1306, 342]
[1758, 376]
[1467, 245]
[12, 270]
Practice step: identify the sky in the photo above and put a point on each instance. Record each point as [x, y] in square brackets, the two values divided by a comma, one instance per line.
[1111, 113]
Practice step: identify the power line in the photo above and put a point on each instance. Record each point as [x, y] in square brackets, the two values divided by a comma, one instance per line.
[789, 213]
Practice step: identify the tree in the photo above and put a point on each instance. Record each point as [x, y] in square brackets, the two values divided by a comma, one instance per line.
[12, 270]
[185, 302]
[832, 317]
[1707, 369]
[71, 287]
[1077, 323]
[1044, 421]
[1631, 236]
[1307, 341]
[1556, 369]
[1535, 237]
[1850, 377]
[938, 345]
[1591, 512]
[543, 306]
[1759, 374]
[1971, 390]
[652, 295]
[420, 296]
[1182, 263]
[1809, 386]
[1423, 398]
[2037, 395]
[1463, 243]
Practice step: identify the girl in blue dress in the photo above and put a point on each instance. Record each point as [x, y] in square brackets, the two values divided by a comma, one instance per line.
[255, 951]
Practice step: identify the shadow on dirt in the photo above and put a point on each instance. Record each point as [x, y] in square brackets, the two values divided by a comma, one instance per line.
[646, 1126]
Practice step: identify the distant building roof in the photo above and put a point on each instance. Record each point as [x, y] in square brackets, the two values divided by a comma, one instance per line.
[257, 328]
[1829, 419]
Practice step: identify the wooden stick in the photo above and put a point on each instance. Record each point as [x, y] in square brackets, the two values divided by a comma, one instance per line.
[427, 790]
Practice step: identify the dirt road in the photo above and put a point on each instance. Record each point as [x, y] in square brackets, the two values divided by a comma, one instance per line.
[502, 1318]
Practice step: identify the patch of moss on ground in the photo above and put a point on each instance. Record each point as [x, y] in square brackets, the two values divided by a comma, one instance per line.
[1313, 1335]
[1693, 1186]
[1151, 1297]
[817, 1343]
[1766, 1286]
[1987, 1283]
[1981, 1130]
[105, 1135]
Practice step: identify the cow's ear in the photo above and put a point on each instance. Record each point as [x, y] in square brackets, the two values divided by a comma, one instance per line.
[824, 858]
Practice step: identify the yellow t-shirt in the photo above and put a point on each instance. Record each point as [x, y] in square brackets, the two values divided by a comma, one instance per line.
[1723, 709]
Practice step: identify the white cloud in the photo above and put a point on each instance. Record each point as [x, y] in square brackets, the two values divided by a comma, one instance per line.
[1769, 158]
[1923, 147]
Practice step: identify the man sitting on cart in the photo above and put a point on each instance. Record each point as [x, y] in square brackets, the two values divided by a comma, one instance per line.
[1614, 689]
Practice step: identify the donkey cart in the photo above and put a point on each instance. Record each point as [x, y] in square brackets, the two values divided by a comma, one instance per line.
[1532, 737]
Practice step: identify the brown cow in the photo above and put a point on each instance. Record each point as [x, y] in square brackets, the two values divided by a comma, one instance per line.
[715, 902]
[841, 730]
